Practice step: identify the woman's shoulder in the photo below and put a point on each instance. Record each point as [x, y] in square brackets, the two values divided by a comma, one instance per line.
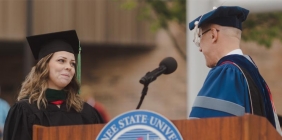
[89, 110]
[22, 103]
[25, 106]
[87, 107]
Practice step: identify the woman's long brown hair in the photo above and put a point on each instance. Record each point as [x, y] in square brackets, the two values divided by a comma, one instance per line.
[36, 83]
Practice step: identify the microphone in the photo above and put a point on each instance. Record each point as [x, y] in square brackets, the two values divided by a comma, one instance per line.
[167, 66]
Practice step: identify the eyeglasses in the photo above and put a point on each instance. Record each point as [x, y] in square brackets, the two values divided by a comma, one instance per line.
[197, 36]
[200, 36]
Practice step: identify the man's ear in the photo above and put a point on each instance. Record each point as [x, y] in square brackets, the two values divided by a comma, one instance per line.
[214, 35]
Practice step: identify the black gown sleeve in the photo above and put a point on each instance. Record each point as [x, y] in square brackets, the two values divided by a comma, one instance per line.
[98, 116]
[16, 125]
[95, 116]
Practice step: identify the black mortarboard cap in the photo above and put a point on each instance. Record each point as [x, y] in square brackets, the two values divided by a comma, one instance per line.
[44, 44]
[231, 16]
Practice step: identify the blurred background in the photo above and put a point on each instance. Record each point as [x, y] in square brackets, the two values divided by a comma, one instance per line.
[121, 41]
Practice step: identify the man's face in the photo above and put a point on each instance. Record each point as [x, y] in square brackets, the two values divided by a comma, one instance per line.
[207, 46]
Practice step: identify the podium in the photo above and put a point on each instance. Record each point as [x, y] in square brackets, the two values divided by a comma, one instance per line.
[248, 127]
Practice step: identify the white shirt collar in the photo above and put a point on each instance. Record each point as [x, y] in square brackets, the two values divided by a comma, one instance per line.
[236, 51]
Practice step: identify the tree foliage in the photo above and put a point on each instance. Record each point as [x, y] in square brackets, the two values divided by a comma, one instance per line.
[159, 12]
[262, 28]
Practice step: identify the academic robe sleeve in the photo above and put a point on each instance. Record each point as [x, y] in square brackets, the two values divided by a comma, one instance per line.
[224, 93]
[96, 117]
[16, 125]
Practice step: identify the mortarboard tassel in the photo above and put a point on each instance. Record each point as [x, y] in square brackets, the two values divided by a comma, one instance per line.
[78, 67]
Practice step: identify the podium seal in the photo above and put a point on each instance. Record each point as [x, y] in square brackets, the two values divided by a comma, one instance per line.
[139, 125]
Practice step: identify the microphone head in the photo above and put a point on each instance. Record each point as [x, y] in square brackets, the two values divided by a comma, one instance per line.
[170, 64]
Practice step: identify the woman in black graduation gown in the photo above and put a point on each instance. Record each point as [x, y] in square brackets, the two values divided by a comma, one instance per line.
[49, 94]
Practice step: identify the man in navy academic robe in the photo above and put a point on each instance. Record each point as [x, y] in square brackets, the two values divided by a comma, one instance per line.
[234, 85]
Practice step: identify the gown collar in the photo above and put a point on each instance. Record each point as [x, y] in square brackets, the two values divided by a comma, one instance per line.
[236, 51]
[55, 95]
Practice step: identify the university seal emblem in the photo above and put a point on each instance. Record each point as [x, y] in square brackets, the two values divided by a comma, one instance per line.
[139, 125]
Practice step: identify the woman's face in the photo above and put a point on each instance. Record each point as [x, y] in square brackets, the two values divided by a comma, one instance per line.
[61, 70]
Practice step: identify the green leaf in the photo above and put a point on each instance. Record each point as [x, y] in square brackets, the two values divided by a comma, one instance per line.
[263, 28]
[129, 5]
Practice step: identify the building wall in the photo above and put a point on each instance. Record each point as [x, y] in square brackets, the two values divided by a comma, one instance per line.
[13, 20]
[97, 21]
